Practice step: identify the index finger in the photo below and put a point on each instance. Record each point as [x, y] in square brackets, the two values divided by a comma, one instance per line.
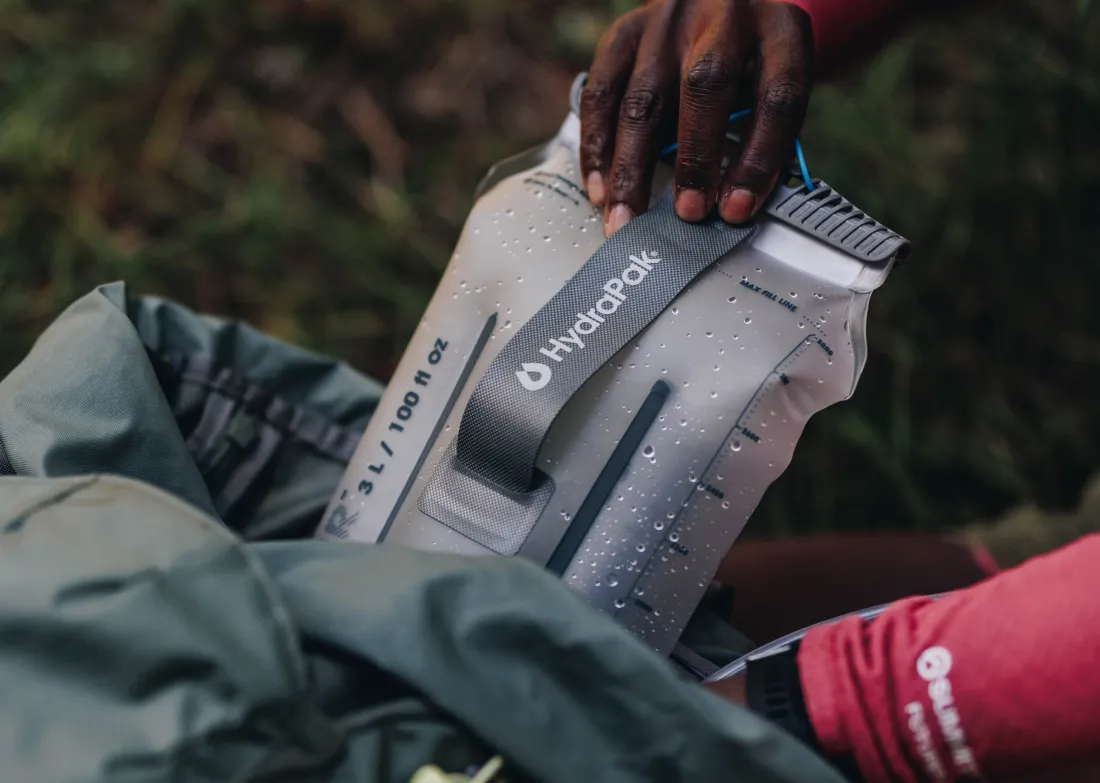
[607, 79]
[783, 89]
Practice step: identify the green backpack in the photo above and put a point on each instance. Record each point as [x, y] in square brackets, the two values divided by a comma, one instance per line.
[167, 617]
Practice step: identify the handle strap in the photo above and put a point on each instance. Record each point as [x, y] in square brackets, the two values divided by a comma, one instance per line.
[618, 292]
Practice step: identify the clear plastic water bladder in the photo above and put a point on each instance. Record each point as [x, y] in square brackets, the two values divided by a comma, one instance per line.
[613, 409]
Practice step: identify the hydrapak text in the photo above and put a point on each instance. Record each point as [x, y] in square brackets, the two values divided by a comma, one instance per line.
[535, 376]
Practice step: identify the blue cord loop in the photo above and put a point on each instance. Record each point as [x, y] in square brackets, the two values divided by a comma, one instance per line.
[797, 149]
[802, 165]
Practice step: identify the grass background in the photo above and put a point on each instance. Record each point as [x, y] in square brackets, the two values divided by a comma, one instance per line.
[307, 164]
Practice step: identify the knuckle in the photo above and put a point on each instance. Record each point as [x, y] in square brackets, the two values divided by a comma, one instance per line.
[641, 107]
[786, 27]
[624, 31]
[786, 99]
[788, 17]
[593, 146]
[623, 182]
[710, 73]
[786, 20]
[597, 96]
[627, 25]
[617, 30]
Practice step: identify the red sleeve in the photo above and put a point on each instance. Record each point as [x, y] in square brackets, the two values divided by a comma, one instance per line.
[848, 29]
[1000, 679]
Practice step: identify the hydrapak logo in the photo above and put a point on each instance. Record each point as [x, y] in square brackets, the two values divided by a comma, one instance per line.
[588, 322]
[541, 377]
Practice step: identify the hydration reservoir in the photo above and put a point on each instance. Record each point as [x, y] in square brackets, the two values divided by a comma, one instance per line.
[613, 409]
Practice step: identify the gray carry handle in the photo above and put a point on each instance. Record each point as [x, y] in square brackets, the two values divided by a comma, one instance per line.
[618, 292]
[829, 217]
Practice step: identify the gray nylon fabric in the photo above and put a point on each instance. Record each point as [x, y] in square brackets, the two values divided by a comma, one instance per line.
[506, 455]
[145, 638]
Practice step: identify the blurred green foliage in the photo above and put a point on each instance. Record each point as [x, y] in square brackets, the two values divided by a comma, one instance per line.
[307, 164]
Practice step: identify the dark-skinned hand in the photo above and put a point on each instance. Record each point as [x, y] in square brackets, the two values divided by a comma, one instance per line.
[691, 58]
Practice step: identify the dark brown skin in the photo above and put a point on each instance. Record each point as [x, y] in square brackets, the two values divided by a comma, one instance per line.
[691, 57]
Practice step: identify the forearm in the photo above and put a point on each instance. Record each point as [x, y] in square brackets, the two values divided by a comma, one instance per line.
[1000, 678]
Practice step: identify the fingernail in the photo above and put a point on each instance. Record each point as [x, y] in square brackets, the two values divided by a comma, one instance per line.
[738, 206]
[595, 188]
[691, 205]
[618, 216]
